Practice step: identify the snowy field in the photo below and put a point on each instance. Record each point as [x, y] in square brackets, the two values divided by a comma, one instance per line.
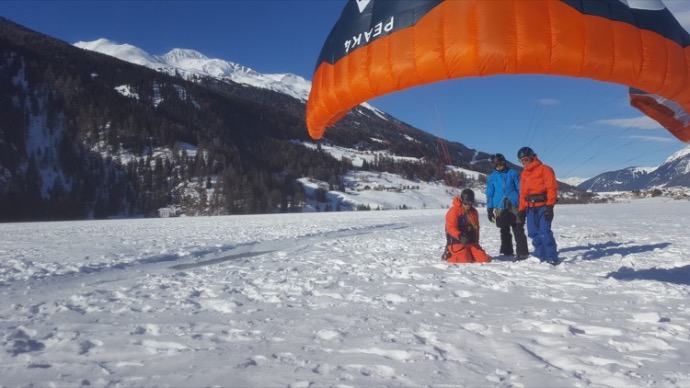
[345, 299]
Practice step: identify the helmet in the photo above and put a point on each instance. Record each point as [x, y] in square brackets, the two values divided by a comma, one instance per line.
[497, 160]
[525, 152]
[467, 197]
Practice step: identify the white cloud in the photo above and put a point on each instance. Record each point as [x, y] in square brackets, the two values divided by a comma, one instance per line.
[655, 139]
[681, 10]
[577, 127]
[548, 102]
[641, 122]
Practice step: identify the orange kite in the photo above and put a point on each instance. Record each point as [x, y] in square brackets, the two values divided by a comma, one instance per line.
[381, 46]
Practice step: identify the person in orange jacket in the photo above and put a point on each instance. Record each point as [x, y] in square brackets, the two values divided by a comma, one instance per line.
[462, 231]
[538, 194]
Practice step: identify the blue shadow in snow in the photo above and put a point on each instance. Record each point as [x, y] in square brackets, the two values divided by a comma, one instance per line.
[220, 260]
[679, 275]
[610, 248]
[156, 259]
[171, 257]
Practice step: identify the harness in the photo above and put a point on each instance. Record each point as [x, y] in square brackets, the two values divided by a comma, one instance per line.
[532, 206]
[535, 198]
[465, 219]
[466, 225]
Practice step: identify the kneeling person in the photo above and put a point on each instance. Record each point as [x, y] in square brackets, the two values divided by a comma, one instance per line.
[462, 231]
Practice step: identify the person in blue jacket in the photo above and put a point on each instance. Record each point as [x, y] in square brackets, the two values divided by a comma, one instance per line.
[502, 200]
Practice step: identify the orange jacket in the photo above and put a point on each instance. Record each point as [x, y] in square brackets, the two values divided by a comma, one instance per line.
[458, 220]
[537, 178]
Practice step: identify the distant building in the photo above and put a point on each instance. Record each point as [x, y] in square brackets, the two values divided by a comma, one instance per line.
[166, 212]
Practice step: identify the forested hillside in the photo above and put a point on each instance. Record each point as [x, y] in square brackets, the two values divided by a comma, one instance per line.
[85, 135]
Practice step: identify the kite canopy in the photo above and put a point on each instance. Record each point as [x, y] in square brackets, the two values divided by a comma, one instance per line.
[382, 46]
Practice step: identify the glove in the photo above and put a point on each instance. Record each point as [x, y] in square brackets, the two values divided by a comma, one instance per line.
[521, 216]
[490, 214]
[548, 213]
[467, 237]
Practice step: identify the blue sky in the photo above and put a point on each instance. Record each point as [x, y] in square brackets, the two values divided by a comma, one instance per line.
[578, 126]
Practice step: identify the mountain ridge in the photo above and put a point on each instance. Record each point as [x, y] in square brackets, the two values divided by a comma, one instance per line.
[190, 63]
[673, 172]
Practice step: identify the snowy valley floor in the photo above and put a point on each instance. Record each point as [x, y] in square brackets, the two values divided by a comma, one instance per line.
[345, 299]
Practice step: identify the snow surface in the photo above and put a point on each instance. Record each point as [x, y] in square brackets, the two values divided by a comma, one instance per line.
[345, 299]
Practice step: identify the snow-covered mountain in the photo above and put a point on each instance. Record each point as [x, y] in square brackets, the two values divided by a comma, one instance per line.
[191, 64]
[675, 171]
[573, 181]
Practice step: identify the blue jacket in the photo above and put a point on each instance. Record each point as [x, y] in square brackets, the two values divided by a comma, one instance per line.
[500, 185]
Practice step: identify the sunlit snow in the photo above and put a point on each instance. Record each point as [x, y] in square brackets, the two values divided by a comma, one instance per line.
[345, 299]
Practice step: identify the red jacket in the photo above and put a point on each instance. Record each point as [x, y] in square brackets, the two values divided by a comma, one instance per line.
[537, 178]
[459, 220]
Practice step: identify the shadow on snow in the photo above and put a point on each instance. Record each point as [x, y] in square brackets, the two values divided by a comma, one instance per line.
[610, 248]
[678, 275]
[219, 260]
